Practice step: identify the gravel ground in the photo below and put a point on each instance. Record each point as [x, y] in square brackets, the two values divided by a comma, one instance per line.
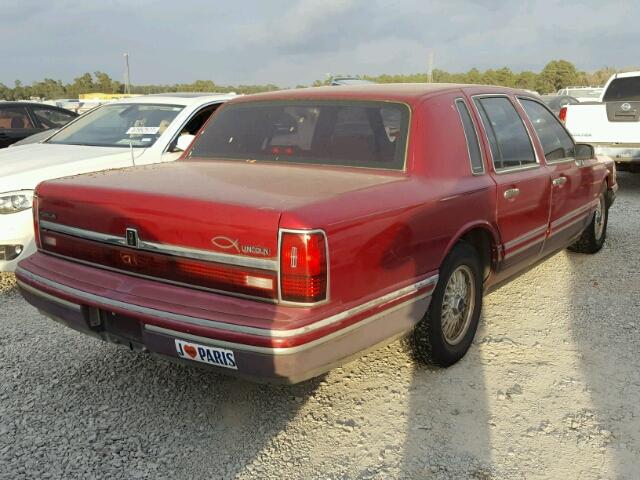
[550, 389]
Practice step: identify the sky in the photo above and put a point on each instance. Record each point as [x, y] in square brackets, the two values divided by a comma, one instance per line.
[298, 41]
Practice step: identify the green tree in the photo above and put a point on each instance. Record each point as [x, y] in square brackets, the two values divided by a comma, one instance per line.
[526, 80]
[555, 75]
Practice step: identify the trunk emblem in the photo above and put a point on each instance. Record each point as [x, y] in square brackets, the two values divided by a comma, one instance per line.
[226, 243]
[625, 107]
[132, 237]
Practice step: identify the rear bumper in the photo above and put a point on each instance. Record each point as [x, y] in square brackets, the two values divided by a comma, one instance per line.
[620, 154]
[258, 357]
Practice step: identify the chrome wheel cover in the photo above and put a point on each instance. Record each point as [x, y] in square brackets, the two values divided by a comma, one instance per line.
[458, 304]
[599, 218]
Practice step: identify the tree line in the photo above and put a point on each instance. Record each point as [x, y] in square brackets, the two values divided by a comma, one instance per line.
[554, 76]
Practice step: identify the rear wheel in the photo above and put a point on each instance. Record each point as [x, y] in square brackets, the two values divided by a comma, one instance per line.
[592, 239]
[445, 333]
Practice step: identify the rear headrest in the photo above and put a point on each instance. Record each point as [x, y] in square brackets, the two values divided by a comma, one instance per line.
[17, 122]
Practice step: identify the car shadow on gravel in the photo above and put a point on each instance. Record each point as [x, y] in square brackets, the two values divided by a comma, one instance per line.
[448, 426]
[604, 292]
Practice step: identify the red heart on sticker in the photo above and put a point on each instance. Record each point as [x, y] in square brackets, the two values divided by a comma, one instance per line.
[190, 350]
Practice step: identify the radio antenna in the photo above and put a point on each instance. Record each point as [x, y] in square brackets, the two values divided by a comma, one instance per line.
[133, 158]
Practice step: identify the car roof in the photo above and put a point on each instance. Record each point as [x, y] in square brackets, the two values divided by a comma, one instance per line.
[400, 92]
[13, 103]
[177, 98]
[627, 74]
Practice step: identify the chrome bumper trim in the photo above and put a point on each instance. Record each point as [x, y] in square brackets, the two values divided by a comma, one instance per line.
[283, 350]
[51, 298]
[262, 332]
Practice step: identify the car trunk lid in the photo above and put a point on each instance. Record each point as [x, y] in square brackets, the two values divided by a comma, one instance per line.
[204, 224]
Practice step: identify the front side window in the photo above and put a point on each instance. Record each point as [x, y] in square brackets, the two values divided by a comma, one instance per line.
[556, 142]
[342, 133]
[119, 125]
[472, 138]
[50, 118]
[14, 118]
[508, 138]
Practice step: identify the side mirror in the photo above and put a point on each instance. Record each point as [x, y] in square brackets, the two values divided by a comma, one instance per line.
[584, 151]
[183, 142]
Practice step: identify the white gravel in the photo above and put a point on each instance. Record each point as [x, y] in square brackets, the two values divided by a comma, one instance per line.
[550, 389]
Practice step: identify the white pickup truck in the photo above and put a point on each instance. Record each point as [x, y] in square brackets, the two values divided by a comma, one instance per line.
[611, 125]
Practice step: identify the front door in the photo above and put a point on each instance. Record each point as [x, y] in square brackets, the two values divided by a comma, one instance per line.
[571, 185]
[523, 185]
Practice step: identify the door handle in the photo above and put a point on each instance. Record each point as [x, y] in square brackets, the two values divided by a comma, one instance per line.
[511, 193]
[559, 181]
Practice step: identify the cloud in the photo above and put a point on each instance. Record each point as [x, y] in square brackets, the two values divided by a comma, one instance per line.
[309, 27]
[291, 42]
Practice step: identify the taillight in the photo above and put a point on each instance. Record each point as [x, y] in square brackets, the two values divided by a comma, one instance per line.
[217, 276]
[303, 266]
[36, 221]
[563, 114]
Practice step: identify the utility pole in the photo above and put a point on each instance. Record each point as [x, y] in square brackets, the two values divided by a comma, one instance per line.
[430, 68]
[127, 75]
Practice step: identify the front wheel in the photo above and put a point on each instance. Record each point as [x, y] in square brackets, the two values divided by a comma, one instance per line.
[592, 239]
[445, 333]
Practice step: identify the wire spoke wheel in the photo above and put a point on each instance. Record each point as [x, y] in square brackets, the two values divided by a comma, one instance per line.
[598, 220]
[458, 304]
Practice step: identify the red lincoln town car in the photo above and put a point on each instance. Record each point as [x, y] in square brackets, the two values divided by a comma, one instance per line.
[302, 228]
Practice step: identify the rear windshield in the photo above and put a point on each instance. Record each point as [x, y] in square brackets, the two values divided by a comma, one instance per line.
[352, 134]
[623, 90]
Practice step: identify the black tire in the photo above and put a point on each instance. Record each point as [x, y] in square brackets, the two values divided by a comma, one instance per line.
[428, 343]
[591, 240]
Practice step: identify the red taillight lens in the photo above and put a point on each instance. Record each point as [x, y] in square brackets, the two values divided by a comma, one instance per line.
[563, 114]
[36, 221]
[303, 267]
[228, 278]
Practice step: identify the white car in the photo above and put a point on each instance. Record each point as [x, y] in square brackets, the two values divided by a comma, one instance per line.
[135, 131]
[613, 125]
[582, 94]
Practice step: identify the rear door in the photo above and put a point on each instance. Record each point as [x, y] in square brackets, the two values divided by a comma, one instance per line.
[571, 182]
[15, 124]
[50, 118]
[523, 185]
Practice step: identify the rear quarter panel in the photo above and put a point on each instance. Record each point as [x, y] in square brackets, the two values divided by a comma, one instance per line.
[393, 235]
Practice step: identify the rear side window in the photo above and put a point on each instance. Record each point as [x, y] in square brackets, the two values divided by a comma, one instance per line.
[472, 138]
[623, 90]
[344, 133]
[508, 138]
[50, 118]
[556, 142]
[14, 118]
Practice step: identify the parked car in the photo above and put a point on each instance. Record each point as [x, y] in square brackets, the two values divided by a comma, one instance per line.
[273, 254]
[19, 120]
[349, 80]
[35, 138]
[136, 131]
[556, 102]
[612, 126]
[582, 94]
